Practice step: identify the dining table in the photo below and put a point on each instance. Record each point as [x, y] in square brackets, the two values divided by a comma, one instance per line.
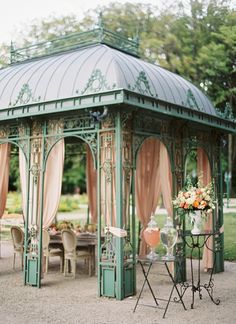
[84, 240]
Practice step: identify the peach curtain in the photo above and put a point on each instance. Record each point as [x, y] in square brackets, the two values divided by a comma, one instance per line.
[5, 150]
[147, 184]
[23, 180]
[91, 179]
[204, 175]
[166, 179]
[52, 182]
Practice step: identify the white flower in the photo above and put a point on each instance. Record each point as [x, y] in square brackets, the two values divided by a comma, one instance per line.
[190, 200]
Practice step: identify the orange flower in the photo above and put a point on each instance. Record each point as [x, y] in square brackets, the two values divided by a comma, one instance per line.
[203, 204]
[186, 206]
[195, 204]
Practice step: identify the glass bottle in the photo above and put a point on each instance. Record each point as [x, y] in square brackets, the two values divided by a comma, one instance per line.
[169, 237]
[152, 237]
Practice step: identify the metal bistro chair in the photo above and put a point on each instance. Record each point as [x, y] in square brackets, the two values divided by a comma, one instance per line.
[51, 252]
[18, 244]
[72, 254]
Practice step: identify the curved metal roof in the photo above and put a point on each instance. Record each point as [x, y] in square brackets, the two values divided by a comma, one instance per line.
[95, 69]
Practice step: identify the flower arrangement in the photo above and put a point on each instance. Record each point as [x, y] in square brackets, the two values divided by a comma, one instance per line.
[193, 198]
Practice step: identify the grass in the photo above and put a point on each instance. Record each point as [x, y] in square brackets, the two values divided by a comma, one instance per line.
[68, 203]
[230, 236]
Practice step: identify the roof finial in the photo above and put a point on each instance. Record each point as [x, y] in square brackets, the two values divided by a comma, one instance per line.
[136, 37]
[100, 27]
[100, 20]
[12, 52]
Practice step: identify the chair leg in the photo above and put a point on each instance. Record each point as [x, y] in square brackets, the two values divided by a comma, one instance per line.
[22, 261]
[61, 264]
[14, 260]
[90, 264]
[74, 268]
[65, 267]
[47, 261]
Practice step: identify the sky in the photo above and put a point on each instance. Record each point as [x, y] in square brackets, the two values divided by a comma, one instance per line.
[14, 14]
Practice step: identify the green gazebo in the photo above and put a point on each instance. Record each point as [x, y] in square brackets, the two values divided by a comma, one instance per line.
[94, 88]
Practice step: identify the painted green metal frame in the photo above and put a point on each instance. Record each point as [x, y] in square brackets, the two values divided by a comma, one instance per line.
[117, 276]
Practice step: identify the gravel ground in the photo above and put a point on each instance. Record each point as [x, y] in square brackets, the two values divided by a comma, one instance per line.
[67, 300]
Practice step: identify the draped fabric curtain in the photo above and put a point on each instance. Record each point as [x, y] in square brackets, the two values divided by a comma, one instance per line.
[166, 179]
[5, 150]
[108, 178]
[204, 174]
[147, 184]
[91, 178]
[23, 181]
[52, 183]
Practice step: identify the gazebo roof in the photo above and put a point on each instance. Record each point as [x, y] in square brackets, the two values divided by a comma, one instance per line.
[95, 69]
[104, 74]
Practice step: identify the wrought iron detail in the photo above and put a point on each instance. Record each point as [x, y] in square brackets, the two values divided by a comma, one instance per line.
[227, 113]
[137, 142]
[4, 132]
[108, 249]
[23, 139]
[97, 82]
[54, 131]
[107, 168]
[147, 123]
[109, 122]
[91, 139]
[25, 95]
[81, 122]
[35, 152]
[191, 102]
[37, 128]
[107, 153]
[142, 85]
[127, 248]
[33, 241]
[127, 157]
[75, 40]
[13, 130]
[126, 120]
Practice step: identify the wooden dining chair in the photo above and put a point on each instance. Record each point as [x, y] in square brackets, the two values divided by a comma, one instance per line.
[72, 253]
[51, 252]
[18, 244]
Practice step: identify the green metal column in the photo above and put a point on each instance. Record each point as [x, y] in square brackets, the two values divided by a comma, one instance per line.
[26, 217]
[219, 241]
[133, 223]
[119, 202]
[41, 196]
[99, 213]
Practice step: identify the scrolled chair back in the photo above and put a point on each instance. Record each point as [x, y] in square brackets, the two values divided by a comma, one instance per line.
[69, 241]
[17, 236]
[46, 240]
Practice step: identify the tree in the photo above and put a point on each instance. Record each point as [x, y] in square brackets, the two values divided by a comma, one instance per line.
[193, 38]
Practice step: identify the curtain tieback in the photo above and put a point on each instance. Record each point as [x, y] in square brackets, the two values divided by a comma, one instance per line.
[221, 230]
[119, 232]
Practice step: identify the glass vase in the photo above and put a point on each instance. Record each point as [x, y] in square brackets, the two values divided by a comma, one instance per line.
[169, 237]
[196, 219]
